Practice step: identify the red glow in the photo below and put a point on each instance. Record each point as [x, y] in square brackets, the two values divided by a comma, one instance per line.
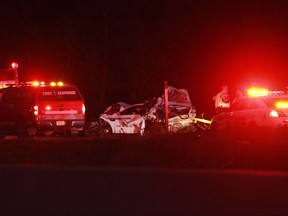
[83, 109]
[282, 105]
[14, 65]
[257, 92]
[274, 113]
[36, 110]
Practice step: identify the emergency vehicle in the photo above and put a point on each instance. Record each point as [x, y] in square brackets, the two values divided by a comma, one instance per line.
[260, 108]
[36, 108]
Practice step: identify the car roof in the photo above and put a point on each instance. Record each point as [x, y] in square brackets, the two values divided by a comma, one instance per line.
[134, 105]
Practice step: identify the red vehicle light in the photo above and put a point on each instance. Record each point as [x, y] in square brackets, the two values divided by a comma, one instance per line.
[257, 92]
[83, 109]
[14, 65]
[36, 110]
[60, 83]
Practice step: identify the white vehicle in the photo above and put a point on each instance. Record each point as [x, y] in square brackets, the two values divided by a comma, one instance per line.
[116, 107]
[260, 108]
[181, 117]
[148, 117]
[128, 121]
[182, 123]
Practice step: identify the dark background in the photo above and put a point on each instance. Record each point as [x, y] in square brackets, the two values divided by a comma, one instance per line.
[124, 50]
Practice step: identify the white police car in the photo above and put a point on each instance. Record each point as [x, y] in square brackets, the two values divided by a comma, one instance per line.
[260, 108]
[128, 121]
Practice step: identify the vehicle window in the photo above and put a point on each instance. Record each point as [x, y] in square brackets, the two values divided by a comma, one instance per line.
[246, 104]
[132, 110]
[254, 105]
[24, 94]
[238, 105]
[63, 93]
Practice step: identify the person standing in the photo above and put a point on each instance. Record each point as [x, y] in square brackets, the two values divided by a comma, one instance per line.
[222, 100]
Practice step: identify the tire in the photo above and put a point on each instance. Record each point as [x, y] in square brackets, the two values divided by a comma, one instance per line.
[105, 130]
[21, 127]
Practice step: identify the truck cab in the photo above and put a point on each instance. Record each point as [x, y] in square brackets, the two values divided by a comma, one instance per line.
[29, 109]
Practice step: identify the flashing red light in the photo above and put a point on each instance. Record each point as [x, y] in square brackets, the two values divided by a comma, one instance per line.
[14, 65]
[35, 83]
[282, 105]
[60, 83]
[257, 92]
[36, 110]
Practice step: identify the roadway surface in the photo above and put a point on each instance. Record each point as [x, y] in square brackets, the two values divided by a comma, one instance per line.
[138, 191]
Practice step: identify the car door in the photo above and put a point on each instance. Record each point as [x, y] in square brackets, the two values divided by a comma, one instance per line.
[240, 114]
[130, 120]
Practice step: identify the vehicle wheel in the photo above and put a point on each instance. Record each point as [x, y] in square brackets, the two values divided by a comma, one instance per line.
[22, 130]
[105, 129]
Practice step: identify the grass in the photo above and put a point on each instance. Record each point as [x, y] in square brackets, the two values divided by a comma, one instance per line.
[170, 151]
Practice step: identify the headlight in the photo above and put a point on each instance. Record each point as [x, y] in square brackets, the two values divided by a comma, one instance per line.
[276, 113]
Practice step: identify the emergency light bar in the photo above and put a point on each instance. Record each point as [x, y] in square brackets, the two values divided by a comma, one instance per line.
[259, 92]
[57, 84]
[37, 83]
[282, 105]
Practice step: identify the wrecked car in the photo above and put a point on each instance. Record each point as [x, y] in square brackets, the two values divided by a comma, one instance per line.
[148, 117]
[181, 116]
[116, 107]
[130, 120]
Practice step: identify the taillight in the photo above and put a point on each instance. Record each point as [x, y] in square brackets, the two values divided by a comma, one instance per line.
[83, 109]
[277, 113]
[36, 110]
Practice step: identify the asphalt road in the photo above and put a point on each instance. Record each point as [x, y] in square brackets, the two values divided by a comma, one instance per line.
[139, 191]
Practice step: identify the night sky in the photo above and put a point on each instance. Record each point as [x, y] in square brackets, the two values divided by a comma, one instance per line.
[124, 50]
